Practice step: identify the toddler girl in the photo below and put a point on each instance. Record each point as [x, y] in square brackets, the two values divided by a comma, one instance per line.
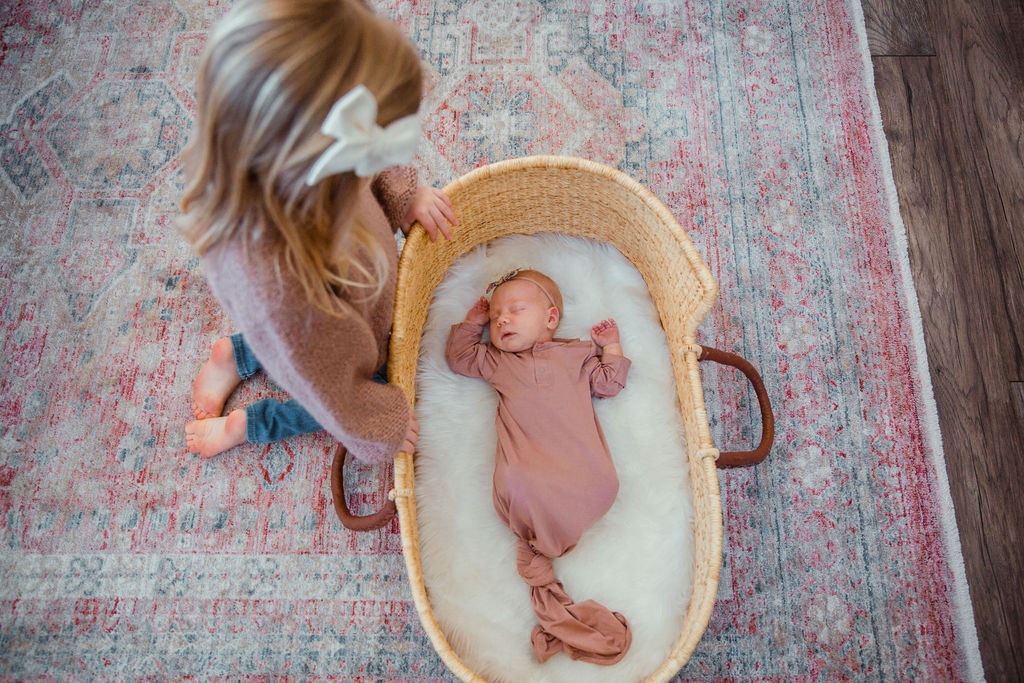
[553, 474]
[293, 198]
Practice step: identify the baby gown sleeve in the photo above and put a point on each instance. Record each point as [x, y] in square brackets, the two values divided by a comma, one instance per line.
[607, 373]
[466, 355]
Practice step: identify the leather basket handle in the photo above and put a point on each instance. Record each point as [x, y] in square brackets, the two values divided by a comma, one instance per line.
[368, 523]
[745, 458]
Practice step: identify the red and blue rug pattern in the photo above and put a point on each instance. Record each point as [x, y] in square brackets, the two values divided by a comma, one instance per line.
[755, 122]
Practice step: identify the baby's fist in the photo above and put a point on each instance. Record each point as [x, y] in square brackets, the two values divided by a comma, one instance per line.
[480, 313]
[605, 332]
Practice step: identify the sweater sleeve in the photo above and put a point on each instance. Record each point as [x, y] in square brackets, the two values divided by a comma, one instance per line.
[394, 189]
[607, 374]
[325, 362]
[466, 355]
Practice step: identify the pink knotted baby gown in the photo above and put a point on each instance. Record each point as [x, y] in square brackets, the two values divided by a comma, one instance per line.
[553, 474]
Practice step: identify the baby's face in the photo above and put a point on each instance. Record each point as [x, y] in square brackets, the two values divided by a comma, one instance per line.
[521, 316]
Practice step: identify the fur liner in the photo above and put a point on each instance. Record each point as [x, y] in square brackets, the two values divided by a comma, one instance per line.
[637, 560]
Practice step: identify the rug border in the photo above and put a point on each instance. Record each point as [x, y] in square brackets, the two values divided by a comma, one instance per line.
[963, 618]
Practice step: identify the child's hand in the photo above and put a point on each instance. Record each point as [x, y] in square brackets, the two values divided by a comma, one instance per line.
[434, 211]
[605, 332]
[411, 437]
[480, 313]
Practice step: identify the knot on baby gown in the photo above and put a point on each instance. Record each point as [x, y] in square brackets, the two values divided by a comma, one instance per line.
[587, 631]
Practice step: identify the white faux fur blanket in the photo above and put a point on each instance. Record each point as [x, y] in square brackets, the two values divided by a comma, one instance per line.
[638, 560]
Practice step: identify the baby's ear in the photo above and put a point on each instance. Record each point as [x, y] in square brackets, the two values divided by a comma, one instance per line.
[554, 317]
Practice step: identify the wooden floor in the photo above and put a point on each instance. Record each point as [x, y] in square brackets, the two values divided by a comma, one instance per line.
[950, 81]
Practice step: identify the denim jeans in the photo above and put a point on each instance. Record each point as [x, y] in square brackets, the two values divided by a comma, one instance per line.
[271, 420]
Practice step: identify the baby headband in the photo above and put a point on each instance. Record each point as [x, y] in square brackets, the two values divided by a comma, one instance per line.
[515, 275]
[361, 145]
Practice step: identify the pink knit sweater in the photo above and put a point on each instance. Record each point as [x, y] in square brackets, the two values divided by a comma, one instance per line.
[325, 362]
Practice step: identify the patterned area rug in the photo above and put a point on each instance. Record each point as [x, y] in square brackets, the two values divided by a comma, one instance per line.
[755, 122]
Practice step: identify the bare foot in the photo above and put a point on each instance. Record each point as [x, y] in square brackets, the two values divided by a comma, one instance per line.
[215, 434]
[216, 381]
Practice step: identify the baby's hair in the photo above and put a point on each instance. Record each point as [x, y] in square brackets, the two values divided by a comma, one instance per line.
[546, 285]
[271, 71]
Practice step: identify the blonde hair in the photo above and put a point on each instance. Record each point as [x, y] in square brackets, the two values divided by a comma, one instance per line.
[271, 71]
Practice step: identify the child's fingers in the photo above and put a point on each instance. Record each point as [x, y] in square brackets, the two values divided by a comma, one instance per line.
[441, 222]
[431, 223]
[445, 199]
[445, 230]
[411, 436]
[444, 216]
[447, 208]
[430, 228]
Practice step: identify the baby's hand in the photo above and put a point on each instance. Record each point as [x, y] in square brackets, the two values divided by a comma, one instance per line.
[433, 209]
[480, 313]
[605, 332]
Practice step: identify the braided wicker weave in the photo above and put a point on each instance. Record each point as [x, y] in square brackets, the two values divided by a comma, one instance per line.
[583, 199]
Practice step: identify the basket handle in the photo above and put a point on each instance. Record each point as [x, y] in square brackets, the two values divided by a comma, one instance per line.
[370, 522]
[745, 458]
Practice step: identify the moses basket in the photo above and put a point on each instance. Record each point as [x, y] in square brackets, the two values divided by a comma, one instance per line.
[583, 199]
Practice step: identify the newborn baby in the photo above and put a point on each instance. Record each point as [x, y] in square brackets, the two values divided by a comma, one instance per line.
[553, 474]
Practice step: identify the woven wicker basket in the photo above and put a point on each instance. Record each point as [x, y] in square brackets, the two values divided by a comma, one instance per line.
[583, 199]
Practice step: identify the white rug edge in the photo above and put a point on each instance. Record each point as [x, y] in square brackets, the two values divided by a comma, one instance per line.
[964, 624]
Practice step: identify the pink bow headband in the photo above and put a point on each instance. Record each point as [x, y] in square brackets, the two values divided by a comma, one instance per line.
[510, 275]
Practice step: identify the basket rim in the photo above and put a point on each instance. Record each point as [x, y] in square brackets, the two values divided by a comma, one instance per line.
[554, 161]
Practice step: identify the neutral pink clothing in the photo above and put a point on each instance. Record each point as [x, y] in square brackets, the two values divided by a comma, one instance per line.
[553, 473]
[325, 362]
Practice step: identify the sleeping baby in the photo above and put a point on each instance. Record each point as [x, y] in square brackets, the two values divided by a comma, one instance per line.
[553, 473]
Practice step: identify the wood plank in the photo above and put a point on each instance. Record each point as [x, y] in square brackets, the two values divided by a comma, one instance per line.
[981, 56]
[961, 289]
[897, 27]
[1017, 392]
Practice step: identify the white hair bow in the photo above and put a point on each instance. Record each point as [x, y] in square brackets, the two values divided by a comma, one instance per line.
[363, 146]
